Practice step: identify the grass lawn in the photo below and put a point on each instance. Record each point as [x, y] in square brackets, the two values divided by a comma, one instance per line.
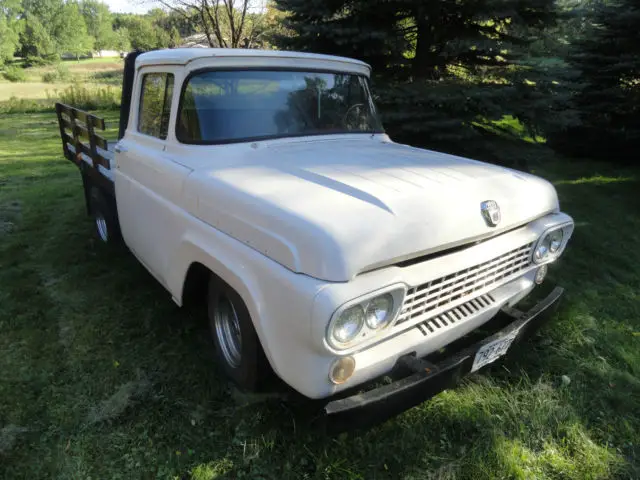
[102, 377]
[95, 72]
[30, 90]
[80, 69]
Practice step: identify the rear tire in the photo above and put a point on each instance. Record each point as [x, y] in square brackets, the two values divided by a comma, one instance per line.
[104, 217]
[237, 346]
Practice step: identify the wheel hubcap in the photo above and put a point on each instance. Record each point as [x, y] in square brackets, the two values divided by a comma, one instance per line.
[228, 332]
[101, 225]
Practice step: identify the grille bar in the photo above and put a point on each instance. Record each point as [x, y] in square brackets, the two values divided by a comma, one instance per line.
[438, 293]
[468, 287]
[519, 254]
[448, 318]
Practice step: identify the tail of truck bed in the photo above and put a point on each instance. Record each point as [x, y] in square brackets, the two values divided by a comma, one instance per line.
[90, 152]
[84, 147]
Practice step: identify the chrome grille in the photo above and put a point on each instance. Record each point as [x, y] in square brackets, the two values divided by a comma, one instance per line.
[457, 314]
[423, 300]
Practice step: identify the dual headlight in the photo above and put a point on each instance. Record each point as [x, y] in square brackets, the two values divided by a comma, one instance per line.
[362, 320]
[551, 243]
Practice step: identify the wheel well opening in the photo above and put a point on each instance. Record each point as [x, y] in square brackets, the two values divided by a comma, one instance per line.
[194, 296]
[89, 186]
[196, 282]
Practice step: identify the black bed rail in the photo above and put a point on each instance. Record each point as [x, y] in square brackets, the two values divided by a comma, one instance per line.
[79, 137]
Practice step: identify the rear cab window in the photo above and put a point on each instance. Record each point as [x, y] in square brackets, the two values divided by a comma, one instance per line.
[155, 104]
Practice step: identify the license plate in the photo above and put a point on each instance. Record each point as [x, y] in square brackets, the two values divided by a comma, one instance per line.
[492, 351]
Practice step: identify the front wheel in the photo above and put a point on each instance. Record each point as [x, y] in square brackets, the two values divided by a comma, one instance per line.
[236, 342]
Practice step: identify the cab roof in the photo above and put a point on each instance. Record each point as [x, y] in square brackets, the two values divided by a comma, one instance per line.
[183, 56]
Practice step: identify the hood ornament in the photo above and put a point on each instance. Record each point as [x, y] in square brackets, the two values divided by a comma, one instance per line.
[491, 212]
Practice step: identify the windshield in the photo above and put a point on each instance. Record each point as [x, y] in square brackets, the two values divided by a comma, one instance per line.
[238, 105]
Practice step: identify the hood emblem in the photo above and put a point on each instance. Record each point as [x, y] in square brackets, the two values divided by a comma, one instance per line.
[491, 212]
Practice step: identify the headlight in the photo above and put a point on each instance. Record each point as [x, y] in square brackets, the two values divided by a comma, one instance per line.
[551, 243]
[379, 311]
[542, 250]
[363, 319]
[555, 240]
[348, 324]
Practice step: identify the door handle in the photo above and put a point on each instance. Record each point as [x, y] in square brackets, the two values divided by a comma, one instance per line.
[120, 149]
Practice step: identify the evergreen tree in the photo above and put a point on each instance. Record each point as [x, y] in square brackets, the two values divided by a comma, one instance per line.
[608, 101]
[427, 37]
[366, 29]
[440, 67]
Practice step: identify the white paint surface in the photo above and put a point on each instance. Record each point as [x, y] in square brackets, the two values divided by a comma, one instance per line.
[300, 226]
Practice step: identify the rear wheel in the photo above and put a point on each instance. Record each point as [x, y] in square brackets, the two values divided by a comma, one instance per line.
[104, 217]
[237, 347]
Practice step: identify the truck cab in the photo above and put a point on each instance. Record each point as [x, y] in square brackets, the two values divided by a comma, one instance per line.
[263, 183]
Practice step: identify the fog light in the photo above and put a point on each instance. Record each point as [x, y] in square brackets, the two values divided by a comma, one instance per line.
[540, 274]
[341, 369]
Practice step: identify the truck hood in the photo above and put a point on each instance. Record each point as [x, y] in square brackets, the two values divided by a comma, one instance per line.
[334, 208]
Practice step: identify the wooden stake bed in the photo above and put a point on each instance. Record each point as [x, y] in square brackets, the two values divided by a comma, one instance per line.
[84, 147]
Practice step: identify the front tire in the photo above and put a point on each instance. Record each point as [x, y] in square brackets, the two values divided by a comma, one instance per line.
[237, 346]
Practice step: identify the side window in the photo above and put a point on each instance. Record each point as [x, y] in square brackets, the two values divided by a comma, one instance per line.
[155, 104]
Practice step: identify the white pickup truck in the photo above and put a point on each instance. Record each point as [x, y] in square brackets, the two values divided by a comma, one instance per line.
[263, 183]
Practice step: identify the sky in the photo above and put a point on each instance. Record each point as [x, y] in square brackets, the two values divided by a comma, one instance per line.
[143, 6]
[130, 6]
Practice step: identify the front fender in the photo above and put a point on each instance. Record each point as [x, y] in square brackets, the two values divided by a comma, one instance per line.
[223, 261]
[279, 300]
[192, 250]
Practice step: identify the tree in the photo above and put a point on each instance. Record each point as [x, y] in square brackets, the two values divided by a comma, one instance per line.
[71, 32]
[261, 25]
[224, 22]
[440, 67]
[369, 30]
[424, 37]
[99, 23]
[273, 26]
[143, 33]
[52, 28]
[121, 40]
[36, 42]
[174, 37]
[187, 24]
[10, 28]
[37, 39]
[608, 97]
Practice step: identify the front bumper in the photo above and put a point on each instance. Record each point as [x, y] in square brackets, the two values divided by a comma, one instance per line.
[428, 379]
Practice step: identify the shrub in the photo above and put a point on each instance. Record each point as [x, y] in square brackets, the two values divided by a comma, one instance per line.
[15, 74]
[26, 105]
[33, 61]
[59, 74]
[88, 98]
[49, 77]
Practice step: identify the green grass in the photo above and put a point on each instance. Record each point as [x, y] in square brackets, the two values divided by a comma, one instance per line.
[84, 70]
[30, 90]
[102, 377]
[93, 73]
[510, 126]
